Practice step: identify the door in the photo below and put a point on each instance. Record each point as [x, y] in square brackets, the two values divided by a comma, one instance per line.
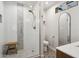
[64, 29]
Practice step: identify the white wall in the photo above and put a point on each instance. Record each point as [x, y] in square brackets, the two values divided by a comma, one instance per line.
[52, 25]
[10, 21]
[8, 25]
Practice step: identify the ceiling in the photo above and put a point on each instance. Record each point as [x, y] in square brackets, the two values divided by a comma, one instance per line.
[47, 4]
[29, 4]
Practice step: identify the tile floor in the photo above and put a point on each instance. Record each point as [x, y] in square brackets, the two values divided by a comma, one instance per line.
[50, 54]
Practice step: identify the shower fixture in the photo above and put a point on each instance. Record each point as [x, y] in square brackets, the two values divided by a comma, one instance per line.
[31, 11]
[34, 18]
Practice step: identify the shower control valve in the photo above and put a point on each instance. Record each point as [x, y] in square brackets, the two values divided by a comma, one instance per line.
[53, 36]
[34, 27]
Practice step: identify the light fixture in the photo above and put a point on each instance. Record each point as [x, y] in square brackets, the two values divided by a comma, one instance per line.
[46, 2]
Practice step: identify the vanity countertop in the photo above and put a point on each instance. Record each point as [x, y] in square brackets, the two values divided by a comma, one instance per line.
[71, 49]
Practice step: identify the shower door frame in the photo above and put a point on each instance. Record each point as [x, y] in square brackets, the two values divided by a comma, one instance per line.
[69, 38]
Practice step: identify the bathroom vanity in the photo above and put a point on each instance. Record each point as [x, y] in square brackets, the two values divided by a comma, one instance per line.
[68, 51]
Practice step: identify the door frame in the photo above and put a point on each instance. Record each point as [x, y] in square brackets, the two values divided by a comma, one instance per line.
[69, 27]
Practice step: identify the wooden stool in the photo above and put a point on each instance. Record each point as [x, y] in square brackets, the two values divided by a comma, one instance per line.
[11, 48]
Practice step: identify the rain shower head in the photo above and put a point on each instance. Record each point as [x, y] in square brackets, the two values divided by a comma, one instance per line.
[31, 12]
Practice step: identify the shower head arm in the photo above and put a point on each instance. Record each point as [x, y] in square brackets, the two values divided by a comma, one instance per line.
[34, 19]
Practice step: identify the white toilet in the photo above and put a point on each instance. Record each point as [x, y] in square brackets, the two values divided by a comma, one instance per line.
[45, 43]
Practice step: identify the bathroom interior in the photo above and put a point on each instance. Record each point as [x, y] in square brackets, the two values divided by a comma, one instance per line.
[39, 29]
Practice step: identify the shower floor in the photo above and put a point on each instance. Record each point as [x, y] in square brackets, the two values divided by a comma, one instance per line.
[49, 54]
